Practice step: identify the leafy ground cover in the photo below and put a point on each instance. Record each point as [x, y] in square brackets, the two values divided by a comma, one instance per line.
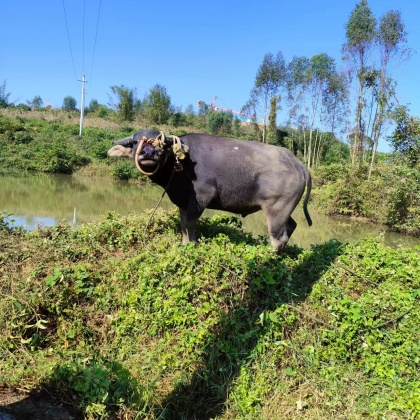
[118, 321]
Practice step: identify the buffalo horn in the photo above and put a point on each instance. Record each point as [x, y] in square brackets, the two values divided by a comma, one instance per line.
[168, 141]
[127, 141]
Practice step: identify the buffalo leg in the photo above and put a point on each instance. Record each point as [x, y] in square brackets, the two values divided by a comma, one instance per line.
[188, 225]
[280, 227]
[291, 226]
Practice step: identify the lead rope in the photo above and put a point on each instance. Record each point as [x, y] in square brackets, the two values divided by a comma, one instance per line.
[160, 201]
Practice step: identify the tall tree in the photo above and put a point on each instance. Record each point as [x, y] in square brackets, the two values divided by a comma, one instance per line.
[35, 103]
[406, 136]
[360, 37]
[391, 36]
[271, 75]
[298, 72]
[272, 120]
[158, 105]
[126, 98]
[4, 95]
[335, 102]
[250, 109]
[321, 69]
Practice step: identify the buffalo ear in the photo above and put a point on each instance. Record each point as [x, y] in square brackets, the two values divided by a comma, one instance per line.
[119, 151]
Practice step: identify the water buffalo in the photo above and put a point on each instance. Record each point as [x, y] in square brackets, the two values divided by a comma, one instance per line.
[202, 171]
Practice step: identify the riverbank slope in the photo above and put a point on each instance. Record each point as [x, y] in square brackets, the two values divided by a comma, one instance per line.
[116, 321]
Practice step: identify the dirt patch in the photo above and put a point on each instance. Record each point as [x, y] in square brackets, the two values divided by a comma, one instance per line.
[40, 406]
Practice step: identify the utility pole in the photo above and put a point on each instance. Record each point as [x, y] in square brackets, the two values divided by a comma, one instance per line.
[82, 107]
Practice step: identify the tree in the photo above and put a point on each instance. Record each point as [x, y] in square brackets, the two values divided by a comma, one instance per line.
[309, 82]
[158, 105]
[360, 36]
[321, 69]
[93, 105]
[272, 120]
[69, 103]
[390, 36]
[177, 118]
[219, 122]
[406, 136]
[335, 102]
[35, 103]
[270, 76]
[297, 86]
[126, 98]
[190, 115]
[250, 109]
[4, 96]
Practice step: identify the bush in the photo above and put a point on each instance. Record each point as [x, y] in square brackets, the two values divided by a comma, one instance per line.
[347, 194]
[56, 158]
[391, 196]
[22, 137]
[102, 111]
[328, 173]
[125, 170]
[219, 122]
[403, 209]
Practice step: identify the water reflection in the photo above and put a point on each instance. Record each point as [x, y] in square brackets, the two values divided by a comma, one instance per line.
[46, 199]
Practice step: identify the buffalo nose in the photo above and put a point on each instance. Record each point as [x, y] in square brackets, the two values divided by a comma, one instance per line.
[148, 152]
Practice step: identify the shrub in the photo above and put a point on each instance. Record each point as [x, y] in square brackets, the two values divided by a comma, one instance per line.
[56, 158]
[346, 196]
[403, 211]
[23, 137]
[125, 170]
[328, 173]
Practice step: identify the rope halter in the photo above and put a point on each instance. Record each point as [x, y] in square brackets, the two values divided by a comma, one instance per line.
[178, 148]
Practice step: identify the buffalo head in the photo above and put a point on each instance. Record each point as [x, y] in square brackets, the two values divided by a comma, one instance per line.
[149, 148]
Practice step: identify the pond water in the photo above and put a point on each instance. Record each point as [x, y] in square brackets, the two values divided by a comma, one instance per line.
[44, 200]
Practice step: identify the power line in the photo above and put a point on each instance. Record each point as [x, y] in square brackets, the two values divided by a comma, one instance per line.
[96, 37]
[68, 38]
[83, 54]
[83, 37]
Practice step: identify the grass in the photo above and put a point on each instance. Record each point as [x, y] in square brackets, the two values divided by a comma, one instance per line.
[120, 322]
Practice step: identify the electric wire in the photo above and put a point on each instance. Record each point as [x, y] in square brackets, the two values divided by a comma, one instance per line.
[83, 37]
[68, 38]
[96, 37]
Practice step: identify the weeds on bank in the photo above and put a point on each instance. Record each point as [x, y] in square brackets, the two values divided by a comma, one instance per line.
[126, 323]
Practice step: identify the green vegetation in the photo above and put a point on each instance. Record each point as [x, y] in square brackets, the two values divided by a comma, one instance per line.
[4, 95]
[69, 103]
[319, 102]
[49, 146]
[390, 194]
[123, 322]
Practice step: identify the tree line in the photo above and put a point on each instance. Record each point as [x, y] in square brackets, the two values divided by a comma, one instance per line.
[327, 109]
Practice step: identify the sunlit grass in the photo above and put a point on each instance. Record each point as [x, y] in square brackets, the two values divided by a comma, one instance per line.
[121, 322]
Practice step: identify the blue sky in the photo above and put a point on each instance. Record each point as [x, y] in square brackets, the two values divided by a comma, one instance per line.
[197, 50]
